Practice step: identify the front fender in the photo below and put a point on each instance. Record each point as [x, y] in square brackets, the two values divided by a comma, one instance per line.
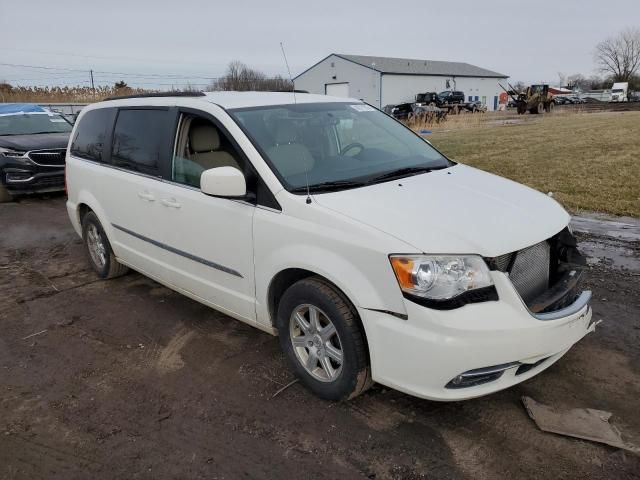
[360, 269]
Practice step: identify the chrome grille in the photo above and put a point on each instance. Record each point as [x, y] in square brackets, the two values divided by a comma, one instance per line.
[48, 158]
[530, 271]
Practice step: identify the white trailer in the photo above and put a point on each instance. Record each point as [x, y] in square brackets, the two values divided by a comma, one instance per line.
[620, 92]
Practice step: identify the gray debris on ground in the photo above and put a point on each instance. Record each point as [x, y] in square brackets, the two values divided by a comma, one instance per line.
[585, 423]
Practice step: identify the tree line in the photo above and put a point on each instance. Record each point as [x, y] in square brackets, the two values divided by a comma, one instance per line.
[239, 77]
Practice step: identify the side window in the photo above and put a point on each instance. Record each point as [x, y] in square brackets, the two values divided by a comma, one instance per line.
[138, 139]
[200, 145]
[91, 133]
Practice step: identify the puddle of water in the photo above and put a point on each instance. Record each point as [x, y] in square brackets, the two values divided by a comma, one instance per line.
[611, 241]
[627, 228]
[612, 254]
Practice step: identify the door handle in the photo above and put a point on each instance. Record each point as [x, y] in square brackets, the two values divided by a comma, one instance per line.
[146, 196]
[171, 203]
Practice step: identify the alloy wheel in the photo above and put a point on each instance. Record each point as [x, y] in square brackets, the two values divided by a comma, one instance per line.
[96, 247]
[316, 342]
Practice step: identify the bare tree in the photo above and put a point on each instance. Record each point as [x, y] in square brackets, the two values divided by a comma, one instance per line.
[578, 80]
[520, 86]
[620, 55]
[240, 77]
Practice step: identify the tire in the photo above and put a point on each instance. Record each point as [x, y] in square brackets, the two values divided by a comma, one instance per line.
[5, 196]
[98, 249]
[549, 108]
[337, 380]
[540, 108]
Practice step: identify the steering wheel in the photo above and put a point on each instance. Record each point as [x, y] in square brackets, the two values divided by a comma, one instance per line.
[351, 146]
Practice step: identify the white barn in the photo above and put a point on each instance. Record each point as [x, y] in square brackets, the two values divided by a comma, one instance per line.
[382, 81]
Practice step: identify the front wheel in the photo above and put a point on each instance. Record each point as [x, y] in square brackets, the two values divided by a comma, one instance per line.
[320, 335]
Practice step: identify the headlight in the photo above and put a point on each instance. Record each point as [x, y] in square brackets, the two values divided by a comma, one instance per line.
[441, 277]
[10, 153]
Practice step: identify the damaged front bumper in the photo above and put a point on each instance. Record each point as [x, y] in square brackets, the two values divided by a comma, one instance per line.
[484, 347]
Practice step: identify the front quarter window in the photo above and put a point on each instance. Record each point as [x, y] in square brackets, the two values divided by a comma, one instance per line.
[335, 145]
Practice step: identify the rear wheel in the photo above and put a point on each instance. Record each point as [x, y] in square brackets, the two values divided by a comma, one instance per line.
[5, 196]
[320, 335]
[98, 249]
[549, 107]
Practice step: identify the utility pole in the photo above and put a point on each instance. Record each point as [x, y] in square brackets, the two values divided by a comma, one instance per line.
[93, 88]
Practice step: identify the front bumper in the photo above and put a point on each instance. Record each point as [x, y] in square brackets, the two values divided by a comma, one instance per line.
[22, 178]
[424, 353]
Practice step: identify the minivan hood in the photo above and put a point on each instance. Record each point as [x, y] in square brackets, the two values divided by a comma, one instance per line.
[40, 141]
[456, 210]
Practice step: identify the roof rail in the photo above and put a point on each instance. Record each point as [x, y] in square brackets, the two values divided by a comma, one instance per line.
[159, 94]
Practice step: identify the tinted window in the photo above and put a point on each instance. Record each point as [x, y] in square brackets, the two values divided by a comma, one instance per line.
[91, 134]
[138, 139]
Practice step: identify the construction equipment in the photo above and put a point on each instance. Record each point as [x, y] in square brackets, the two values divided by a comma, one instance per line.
[535, 99]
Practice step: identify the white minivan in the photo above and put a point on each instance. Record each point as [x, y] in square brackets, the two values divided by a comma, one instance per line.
[324, 221]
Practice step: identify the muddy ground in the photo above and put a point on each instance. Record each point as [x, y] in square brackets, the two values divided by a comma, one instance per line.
[131, 380]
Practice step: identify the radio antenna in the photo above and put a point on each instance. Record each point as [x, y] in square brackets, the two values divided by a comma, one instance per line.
[293, 88]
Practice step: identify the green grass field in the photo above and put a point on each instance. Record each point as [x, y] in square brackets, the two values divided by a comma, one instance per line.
[589, 161]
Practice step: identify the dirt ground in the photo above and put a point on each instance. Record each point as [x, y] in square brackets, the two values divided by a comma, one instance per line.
[126, 379]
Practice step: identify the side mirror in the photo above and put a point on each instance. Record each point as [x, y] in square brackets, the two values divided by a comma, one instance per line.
[223, 182]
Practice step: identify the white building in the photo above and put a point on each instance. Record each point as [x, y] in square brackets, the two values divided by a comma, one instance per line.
[384, 81]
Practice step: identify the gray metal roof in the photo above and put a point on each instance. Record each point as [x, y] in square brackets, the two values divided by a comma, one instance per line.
[410, 66]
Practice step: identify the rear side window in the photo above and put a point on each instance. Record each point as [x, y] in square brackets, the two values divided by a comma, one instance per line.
[91, 134]
[139, 139]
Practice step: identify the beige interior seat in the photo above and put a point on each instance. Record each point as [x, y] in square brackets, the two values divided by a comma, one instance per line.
[289, 156]
[204, 141]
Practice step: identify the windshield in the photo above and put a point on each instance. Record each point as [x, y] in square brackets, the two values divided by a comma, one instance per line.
[32, 123]
[617, 90]
[318, 144]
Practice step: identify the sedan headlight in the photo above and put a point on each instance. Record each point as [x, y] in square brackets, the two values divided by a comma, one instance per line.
[441, 278]
[10, 153]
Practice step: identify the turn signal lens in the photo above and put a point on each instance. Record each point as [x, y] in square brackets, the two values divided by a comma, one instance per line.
[403, 268]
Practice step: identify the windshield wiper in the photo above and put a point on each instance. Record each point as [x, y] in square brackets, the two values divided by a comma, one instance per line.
[402, 172]
[328, 186]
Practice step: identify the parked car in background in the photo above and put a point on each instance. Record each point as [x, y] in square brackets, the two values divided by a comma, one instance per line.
[373, 256]
[402, 111]
[428, 98]
[577, 100]
[475, 106]
[451, 96]
[33, 144]
[562, 100]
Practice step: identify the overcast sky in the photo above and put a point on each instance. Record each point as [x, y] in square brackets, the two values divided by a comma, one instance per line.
[192, 40]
